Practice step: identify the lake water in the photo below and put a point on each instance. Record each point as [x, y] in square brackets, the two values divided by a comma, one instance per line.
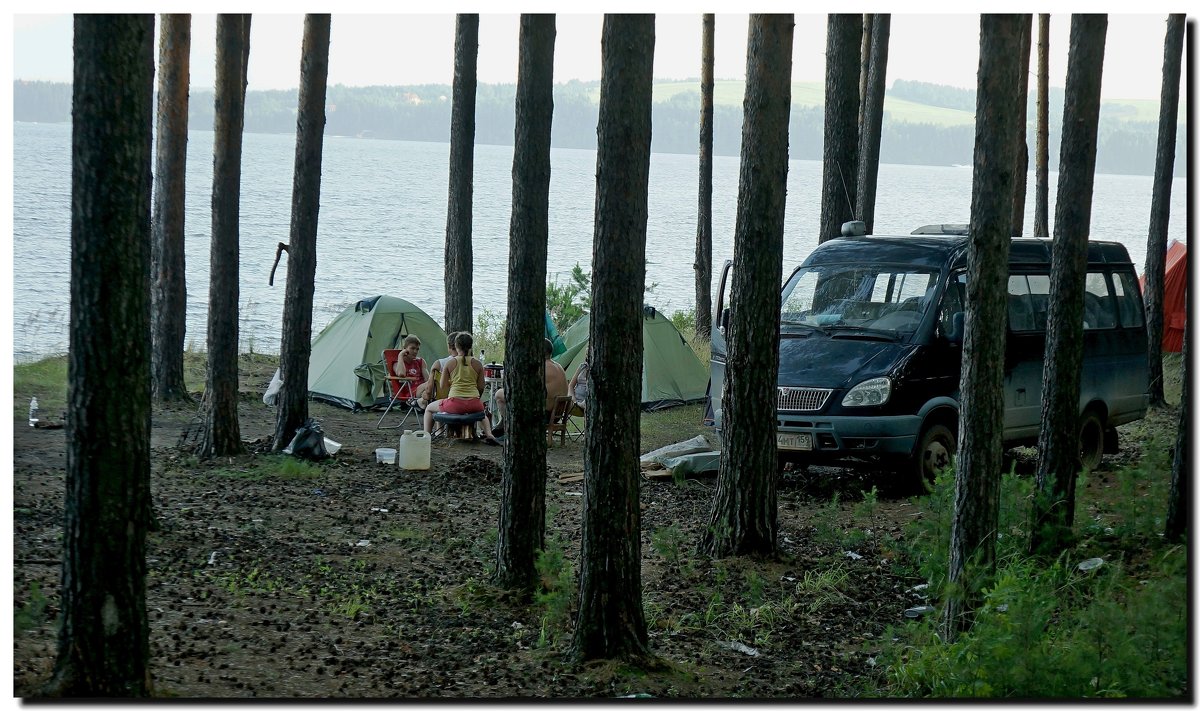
[383, 224]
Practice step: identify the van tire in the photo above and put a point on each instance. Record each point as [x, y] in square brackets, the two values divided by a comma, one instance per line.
[1091, 441]
[936, 448]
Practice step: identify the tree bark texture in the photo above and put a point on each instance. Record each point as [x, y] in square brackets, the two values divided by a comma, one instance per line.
[1160, 203]
[978, 464]
[840, 151]
[523, 489]
[703, 265]
[610, 623]
[459, 311]
[1022, 170]
[1041, 209]
[745, 511]
[872, 124]
[864, 71]
[103, 638]
[221, 433]
[1058, 438]
[295, 345]
[168, 286]
[1180, 494]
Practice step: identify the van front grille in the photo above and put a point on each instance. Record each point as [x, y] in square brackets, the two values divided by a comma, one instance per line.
[802, 399]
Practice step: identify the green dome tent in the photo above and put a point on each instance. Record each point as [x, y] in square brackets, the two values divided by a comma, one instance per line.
[671, 372]
[346, 366]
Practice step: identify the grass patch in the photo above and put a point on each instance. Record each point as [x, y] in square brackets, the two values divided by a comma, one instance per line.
[1050, 630]
[32, 614]
[273, 467]
[673, 425]
[45, 379]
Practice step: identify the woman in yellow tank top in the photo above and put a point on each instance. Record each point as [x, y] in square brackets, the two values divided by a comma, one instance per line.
[463, 376]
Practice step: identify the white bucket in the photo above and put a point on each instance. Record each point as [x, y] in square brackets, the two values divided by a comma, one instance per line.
[385, 455]
[414, 450]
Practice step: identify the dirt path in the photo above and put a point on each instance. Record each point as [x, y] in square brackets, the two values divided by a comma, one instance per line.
[355, 579]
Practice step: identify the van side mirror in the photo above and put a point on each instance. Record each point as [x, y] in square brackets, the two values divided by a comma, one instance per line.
[724, 323]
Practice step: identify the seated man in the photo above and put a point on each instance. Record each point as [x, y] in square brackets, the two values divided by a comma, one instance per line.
[556, 385]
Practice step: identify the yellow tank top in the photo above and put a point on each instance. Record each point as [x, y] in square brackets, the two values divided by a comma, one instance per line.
[463, 381]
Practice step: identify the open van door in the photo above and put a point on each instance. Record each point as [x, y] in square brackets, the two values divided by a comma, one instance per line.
[716, 368]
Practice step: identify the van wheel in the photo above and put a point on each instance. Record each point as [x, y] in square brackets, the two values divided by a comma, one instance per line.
[935, 452]
[1091, 441]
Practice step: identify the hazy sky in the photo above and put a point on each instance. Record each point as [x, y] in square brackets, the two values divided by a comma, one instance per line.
[368, 49]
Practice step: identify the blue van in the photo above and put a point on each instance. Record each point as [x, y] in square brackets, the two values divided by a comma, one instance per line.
[870, 350]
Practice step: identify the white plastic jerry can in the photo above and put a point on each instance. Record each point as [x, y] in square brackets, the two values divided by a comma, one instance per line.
[414, 450]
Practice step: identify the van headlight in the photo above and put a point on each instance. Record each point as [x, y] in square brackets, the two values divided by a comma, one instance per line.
[875, 391]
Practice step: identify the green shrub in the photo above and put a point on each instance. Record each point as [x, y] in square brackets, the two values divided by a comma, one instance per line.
[570, 301]
[488, 336]
[1051, 630]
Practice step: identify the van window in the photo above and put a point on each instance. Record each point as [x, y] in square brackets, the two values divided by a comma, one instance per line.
[1020, 304]
[953, 301]
[1128, 305]
[1097, 306]
[876, 297]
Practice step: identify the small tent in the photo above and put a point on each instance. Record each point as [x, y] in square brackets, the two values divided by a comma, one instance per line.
[346, 365]
[671, 372]
[1175, 278]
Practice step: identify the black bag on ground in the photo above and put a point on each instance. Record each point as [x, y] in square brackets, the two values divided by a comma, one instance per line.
[309, 442]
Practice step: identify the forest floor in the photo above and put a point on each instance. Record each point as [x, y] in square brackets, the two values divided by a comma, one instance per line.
[355, 579]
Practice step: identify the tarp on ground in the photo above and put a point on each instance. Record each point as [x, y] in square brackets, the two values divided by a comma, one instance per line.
[346, 364]
[1174, 296]
[671, 372]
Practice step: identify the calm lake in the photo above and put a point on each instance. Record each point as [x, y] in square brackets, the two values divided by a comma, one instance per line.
[383, 224]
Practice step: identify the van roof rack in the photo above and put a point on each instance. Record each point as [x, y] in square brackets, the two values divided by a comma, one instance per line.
[944, 229]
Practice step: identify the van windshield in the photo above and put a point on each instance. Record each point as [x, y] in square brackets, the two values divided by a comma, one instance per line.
[884, 300]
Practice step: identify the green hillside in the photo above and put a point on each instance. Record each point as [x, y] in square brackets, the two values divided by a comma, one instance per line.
[812, 94]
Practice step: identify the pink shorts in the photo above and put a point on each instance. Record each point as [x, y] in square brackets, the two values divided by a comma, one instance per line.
[461, 406]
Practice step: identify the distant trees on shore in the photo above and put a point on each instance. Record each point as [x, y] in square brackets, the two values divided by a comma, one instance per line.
[422, 113]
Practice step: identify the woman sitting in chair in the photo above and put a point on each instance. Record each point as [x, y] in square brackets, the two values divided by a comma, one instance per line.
[463, 376]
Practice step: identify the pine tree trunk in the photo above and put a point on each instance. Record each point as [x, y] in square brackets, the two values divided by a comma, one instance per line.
[221, 434]
[745, 511]
[872, 126]
[459, 311]
[103, 638]
[168, 287]
[864, 71]
[1160, 205]
[1180, 495]
[296, 340]
[840, 153]
[1041, 210]
[1058, 438]
[611, 623]
[703, 265]
[523, 488]
[977, 478]
[1022, 170]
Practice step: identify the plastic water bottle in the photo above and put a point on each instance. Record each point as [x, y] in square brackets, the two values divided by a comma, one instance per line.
[33, 412]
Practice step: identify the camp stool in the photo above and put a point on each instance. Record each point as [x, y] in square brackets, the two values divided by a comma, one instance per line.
[459, 426]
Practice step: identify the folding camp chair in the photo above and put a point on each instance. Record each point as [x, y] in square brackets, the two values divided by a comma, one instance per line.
[577, 411]
[560, 420]
[402, 389]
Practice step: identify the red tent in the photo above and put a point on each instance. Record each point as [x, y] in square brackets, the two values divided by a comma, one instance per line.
[1174, 296]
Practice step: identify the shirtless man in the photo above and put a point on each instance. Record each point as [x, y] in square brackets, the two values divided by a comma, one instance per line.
[556, 385]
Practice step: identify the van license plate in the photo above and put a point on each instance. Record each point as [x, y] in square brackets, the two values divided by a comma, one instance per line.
[793, 440]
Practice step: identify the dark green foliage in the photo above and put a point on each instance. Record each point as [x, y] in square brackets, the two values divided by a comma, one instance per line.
[1125, 146]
